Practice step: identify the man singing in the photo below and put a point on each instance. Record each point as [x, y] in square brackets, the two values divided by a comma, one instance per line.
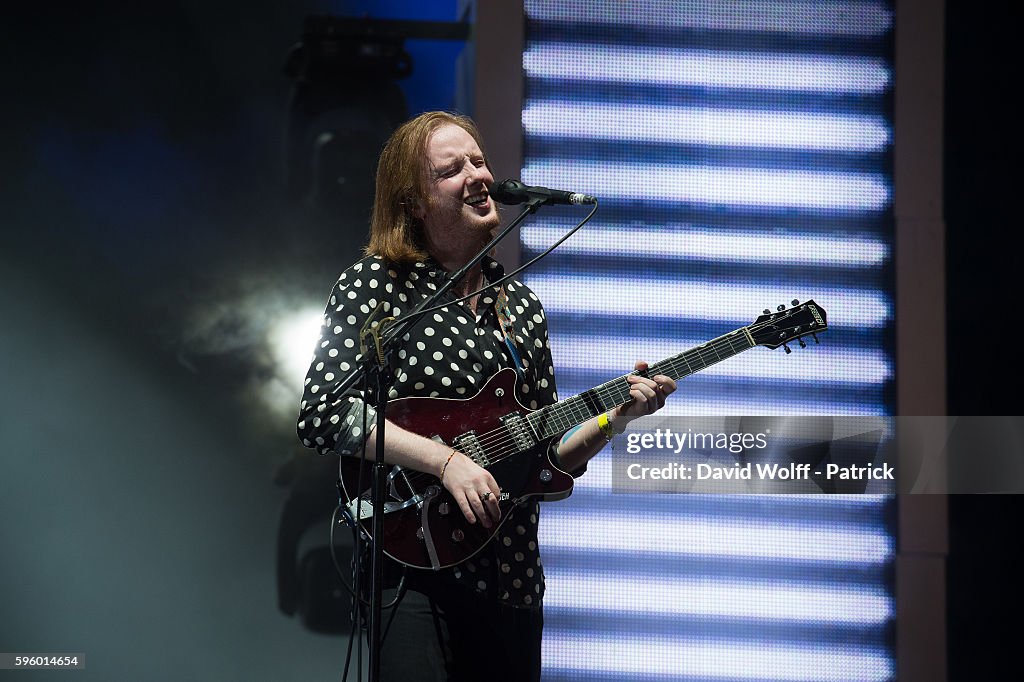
[482, 619]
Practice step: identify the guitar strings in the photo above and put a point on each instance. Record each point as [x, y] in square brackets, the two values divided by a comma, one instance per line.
[504, 445]
[618, 390]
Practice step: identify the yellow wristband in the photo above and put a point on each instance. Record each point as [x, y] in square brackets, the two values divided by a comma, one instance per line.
[605, 425]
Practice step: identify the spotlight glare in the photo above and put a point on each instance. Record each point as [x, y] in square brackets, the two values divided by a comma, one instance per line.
[292, 340]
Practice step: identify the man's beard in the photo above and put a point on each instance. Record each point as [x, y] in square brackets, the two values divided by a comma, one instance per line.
[452, 212]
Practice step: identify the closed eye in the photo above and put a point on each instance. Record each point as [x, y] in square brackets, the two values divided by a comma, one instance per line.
[446, 171]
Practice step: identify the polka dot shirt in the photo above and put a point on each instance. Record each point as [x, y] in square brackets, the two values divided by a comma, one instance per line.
[449, 354]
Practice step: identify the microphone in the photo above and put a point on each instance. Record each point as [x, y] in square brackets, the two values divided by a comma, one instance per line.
[513, 192]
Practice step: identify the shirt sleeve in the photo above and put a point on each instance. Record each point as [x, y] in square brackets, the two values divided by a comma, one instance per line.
[328, 421]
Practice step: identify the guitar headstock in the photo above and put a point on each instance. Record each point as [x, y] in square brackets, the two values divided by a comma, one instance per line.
[779, 328]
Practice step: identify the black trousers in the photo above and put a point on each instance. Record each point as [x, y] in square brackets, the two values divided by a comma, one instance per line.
[445, 632]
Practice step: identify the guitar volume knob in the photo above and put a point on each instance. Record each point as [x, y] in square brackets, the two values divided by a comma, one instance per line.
[458, 535]
[545, 476]
[442, 509]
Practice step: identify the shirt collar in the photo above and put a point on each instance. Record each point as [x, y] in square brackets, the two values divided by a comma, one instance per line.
[492, 269]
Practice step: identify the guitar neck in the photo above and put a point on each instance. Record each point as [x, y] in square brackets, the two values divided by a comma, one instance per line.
[556, 419]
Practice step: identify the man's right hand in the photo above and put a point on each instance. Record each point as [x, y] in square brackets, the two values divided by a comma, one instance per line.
[474, 489]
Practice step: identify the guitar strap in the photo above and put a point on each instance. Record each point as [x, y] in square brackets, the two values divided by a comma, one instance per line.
[505, 321]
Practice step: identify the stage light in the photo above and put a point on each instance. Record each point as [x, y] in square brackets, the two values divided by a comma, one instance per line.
[865, 19]
[345, 103]
[291, 341]
[697, 243]
[707, 68]
[815, 131]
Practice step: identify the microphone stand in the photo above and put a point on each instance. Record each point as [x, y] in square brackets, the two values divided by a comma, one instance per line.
[376, 365]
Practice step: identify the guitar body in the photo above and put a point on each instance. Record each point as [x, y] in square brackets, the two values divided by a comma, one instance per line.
[432, 532]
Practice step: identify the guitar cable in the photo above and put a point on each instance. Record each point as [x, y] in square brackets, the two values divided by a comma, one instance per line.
[341, 574]
[360, 601]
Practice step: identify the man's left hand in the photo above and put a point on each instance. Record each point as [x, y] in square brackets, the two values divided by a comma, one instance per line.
[647, 396]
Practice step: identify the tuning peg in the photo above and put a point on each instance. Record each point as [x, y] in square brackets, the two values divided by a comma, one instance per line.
[788, 349]
[767, 312]
[815, 338]
[781, 307]
[796, 302]
[801, 342]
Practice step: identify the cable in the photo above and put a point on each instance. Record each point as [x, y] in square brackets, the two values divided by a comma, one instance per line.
[507, 277]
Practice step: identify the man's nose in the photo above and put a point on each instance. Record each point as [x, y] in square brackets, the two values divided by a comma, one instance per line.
[480, 174]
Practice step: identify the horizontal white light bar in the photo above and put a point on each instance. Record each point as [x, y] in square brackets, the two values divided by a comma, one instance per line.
[819, 190]
[706, 244]
[761, 599]
[630, 657]
[819, 363]
[707, 68]
[761, 129]
[762, 16]
[639, 296]
[632, 532]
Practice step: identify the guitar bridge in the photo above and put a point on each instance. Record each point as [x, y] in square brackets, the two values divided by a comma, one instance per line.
[469, 445]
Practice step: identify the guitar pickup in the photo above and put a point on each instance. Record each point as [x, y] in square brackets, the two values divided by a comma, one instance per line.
[519, 429]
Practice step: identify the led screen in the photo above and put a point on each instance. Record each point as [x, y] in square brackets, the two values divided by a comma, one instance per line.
[741, 153]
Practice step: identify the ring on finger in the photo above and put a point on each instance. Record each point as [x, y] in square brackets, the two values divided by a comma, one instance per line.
[485, 495]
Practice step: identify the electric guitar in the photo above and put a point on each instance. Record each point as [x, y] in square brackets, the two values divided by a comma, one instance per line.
[423, 525]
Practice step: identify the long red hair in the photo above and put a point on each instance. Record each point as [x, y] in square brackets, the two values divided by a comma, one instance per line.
[395, 234]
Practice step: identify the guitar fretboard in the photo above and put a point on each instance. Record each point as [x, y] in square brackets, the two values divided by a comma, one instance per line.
[556, 419]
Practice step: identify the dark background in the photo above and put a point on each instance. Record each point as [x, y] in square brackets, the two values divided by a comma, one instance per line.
[983, 256]
[152, 233]
[148, 241]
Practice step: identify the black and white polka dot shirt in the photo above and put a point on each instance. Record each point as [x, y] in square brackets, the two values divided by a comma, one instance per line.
[450, 354]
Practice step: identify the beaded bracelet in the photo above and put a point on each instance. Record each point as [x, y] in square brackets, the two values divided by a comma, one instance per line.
[446, 465]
